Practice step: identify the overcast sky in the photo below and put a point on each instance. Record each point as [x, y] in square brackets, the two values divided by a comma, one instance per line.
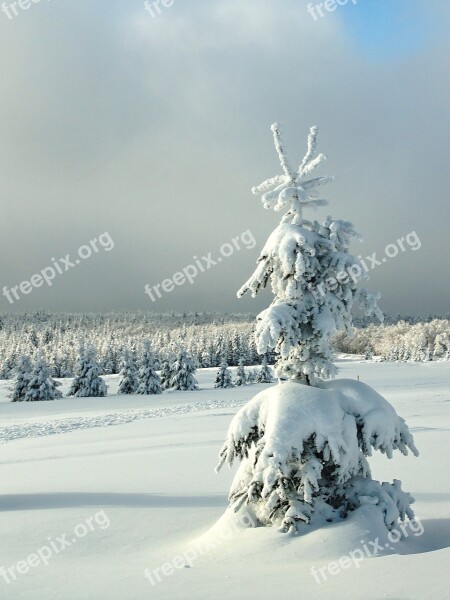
[155, 128]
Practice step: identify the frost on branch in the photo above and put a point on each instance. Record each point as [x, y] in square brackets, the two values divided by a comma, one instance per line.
[291, 190]
[303, 451]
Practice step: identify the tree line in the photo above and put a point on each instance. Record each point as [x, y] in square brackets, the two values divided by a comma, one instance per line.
[207, 339]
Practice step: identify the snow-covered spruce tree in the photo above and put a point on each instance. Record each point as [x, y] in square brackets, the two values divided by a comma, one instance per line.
[368, 353]
[87, 381]
[22, 379]
[206, 359]
[303, 443]
[148, 379]
[183, 371]
[223, 377]
[7, 367]
[265, 373]
[128, 382]
[251, 376]
[441, 345]
[393, 354]
[41, 385]
[241, 377]
[167, 369]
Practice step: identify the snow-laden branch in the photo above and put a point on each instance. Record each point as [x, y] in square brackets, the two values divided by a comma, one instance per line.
[312, 276]
[295, 436]
[289, 190]
[281, 153]
[311, 148]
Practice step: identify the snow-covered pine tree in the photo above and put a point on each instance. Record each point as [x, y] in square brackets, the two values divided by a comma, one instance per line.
[235, 348]
[223, 377]
[87, 381]
[47, 337]
[167, 369]
[368, 354]
[313, 276]
[41, 385]
[406, 354]
[7, 367]
[419, 354]
[206, 359]
[183, 371]
[108, 363]
[128, 382]
[441, 344]
[395, 354]
[34, 340]
[251, 376]
[219, 348]
[303, 443]
[65, 366]
[22, 379]
[241, 377]
[265, 373]
[148, 379]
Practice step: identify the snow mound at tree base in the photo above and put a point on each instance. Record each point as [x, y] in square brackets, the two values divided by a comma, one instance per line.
[363, 534]
[303, 452]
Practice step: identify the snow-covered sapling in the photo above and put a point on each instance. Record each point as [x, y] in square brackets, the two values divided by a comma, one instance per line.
[128, 382]
[167, 369]
[265, 373]
[303, 443]
[149, 381]
[368, 353]
[241, 377]
[223, 377]
[251, 376]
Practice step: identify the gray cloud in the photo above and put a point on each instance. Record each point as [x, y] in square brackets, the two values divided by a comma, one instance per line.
[155, 130]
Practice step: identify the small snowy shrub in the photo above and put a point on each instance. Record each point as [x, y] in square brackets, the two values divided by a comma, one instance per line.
[223, 377]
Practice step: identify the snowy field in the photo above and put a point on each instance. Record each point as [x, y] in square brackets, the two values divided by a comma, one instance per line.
[96, 491]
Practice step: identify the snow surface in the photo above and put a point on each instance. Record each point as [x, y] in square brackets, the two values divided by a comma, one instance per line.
[152, 474]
